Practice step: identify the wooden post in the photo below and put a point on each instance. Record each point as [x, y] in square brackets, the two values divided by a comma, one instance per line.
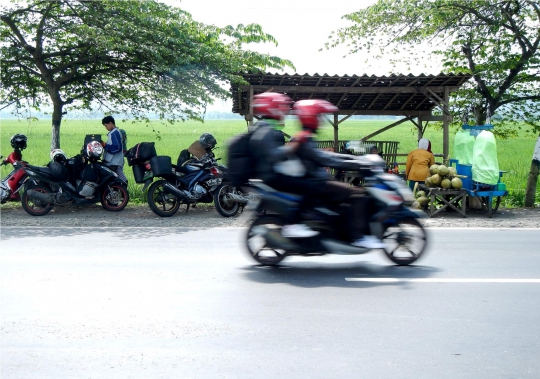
[446, 135]
[420, 128]
[336, 127]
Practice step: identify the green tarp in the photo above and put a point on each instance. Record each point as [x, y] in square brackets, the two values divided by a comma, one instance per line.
[463, 147]
[485, 165]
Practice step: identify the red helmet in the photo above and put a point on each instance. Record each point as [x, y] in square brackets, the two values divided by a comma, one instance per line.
[271, 104]
[308, 112]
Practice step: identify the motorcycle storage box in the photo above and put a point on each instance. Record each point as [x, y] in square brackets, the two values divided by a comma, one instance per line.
[140, 152]
[138, 173]
[161, 165]
[91, 137]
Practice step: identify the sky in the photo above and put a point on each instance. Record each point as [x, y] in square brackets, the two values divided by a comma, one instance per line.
[301, 28]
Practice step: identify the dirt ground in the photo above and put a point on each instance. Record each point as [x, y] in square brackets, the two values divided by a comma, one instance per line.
[207, 217]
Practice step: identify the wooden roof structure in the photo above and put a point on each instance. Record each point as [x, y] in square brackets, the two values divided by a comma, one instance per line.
[412, 96]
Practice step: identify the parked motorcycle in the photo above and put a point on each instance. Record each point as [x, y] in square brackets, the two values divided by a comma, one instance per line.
[13, 182]
[196, 181]
[394, 222]
[46, 188]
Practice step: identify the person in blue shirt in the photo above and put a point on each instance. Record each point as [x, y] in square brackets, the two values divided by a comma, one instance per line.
[114, 153]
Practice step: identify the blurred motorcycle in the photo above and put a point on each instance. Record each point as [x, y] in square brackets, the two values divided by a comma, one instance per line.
[394, 222]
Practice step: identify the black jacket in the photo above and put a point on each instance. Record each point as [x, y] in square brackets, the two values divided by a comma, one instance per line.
[315, 160]
[267, 147]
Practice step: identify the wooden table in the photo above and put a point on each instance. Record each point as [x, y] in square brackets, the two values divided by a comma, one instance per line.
[450, 199]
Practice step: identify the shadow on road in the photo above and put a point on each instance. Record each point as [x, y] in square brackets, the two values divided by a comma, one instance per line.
[313, 275]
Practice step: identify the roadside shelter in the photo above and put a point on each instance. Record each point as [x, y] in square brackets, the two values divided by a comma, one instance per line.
[412, 97]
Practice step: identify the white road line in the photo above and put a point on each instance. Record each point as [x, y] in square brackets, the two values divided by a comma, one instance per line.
[441, 280]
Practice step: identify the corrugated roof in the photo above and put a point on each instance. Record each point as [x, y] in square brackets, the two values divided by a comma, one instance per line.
[394, 94]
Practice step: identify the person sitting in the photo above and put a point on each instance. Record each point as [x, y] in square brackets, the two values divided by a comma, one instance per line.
[418, 163]
[268, 146]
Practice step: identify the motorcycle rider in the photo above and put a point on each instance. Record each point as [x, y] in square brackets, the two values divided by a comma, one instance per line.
[268, 146]
[317, 184]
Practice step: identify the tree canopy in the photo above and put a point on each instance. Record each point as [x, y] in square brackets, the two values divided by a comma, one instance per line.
[121, 56]
[494, 40]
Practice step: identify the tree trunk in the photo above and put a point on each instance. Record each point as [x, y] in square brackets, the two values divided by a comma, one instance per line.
[56, 120]
[530, 191]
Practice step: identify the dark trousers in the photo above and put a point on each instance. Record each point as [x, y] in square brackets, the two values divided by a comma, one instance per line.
[327, 192]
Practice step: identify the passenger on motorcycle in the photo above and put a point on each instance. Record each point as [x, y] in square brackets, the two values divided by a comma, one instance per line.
[316, 184]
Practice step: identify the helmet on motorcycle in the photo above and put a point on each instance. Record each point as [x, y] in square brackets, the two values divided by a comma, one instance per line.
[308, 112]
[57, 155]
[272, 105]
[207, 141]
[18, 141]
[94, 149]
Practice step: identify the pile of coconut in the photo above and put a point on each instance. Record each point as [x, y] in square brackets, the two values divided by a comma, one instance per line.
[444, 177]
[441, 177]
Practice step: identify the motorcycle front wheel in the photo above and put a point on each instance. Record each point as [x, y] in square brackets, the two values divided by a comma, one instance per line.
[115, 197]
[162, 203]
[256, 240]
[406, 241]
[33, 206]
[225, 206]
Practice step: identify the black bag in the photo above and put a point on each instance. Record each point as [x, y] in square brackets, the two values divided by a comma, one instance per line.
[91, 173]
[241, 163]
[140, 152]
[184, 156]
[58, 171]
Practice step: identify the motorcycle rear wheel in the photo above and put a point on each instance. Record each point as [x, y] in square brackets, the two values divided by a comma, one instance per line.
[406, 241]
[160, 202]
[33, 206]
[115, 197]
[225, 207]
[257, 245]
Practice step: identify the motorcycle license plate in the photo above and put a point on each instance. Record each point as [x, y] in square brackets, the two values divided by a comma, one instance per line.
[214, 182]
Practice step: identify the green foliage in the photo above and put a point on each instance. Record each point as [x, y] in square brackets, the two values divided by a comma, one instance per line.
[122, 56]
[495, 41]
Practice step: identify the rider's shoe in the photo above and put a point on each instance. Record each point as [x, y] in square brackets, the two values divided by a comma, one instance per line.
[297, 231]
[369, 242]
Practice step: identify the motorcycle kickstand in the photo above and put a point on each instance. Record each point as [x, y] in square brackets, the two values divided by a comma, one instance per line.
[187, 207]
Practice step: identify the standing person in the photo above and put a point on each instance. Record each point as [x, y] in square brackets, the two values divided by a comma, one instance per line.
[418, 163]
[114, 152]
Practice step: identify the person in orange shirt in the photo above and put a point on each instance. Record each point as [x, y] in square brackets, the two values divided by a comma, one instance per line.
[418, 163]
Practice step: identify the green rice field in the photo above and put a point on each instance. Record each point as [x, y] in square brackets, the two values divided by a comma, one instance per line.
[514, 154]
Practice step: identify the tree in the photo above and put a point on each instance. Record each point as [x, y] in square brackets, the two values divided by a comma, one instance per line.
[121, 56]
[496, 41]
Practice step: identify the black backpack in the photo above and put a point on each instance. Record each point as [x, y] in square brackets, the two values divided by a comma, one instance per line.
[241, 163]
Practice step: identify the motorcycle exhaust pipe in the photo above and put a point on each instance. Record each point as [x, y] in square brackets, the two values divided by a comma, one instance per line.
[241, 199]
[172, 190]
[46, 198]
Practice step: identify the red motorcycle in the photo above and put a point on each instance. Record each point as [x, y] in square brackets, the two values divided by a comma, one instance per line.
[13, 182]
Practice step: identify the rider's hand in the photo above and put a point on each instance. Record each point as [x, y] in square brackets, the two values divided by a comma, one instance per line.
[302, 136]
[102, 143]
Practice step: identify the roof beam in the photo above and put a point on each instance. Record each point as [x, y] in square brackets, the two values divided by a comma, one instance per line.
[314, 89]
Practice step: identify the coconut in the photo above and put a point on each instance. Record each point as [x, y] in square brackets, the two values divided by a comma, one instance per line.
[420, 194]
[436, 179]
[423, 201]
[443, 170]
[452, 171]
[428, 182]
[434, 169]
[415, 204]
[446, 183]
[457, 183]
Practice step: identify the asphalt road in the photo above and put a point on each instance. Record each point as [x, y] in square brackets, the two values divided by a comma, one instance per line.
[189, 303]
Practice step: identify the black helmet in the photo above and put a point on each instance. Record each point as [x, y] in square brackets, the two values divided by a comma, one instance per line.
[207, 141]
[18, 141]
